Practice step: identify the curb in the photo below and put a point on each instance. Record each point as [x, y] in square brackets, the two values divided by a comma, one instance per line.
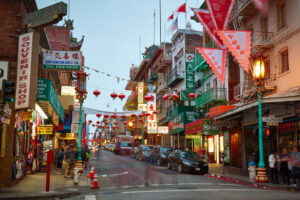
[45, 196]
[251, 184]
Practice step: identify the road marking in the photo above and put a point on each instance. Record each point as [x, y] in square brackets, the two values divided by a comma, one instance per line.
[90, 197]
[73, 189]
[186, 190]
[229, 184]
[105, 175]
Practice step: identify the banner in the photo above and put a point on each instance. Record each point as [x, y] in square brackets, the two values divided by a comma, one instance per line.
[216, 58]
[151, 107]
[189, 72]
[64, 60]
[220, 12]
[44, 129]
[239, 44]
[140, 92]
[203, 16]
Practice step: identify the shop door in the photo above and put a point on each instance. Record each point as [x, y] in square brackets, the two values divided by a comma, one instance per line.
[236, 149]
[189, 144]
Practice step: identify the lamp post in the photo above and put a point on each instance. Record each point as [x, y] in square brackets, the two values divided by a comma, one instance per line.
[258, 74]
[81, 96]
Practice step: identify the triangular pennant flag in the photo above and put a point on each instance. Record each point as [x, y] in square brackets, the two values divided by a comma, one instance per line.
[220, 11]
[204, 18]
[239, 44]
[216, 58]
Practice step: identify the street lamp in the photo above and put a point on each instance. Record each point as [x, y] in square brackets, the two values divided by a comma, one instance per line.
[81, 96]
[259, 74]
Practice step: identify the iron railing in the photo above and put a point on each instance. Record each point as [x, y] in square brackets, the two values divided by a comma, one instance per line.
[214, 94]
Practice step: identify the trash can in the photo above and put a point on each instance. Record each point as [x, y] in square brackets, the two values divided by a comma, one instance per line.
[76, 176]
[252, 170]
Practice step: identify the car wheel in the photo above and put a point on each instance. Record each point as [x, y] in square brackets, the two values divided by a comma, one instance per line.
[169, 165]
[180, 168]
[158, 162]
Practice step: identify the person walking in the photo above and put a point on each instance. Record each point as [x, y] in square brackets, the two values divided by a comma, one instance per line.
[71, 158]
[294, 157]
[273, 164]
[284, 168]
[59, 160]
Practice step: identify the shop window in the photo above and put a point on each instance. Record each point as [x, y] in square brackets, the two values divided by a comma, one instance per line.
[284, 61]
[281, 15]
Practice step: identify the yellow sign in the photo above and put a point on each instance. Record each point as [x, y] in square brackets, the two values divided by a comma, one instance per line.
[130, 105]
[45, 130]
[143, 107]
[140, 92]
[26, 116]
[68, 90]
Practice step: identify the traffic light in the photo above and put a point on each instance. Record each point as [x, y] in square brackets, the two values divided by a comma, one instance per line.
[7, 91]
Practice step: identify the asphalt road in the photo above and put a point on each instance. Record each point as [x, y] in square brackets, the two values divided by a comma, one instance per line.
[125, 178]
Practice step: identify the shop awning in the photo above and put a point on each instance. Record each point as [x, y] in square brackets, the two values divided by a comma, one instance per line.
[46, 95]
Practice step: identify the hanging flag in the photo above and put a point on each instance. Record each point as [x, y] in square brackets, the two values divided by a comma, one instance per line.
[220, 11]
[181, 8]
[216, 58]
[174, 26]
[205, 19]
[171, 17]
[239, 44]
[261, 5]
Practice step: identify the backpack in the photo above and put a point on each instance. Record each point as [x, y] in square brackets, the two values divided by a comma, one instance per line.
[72, 157]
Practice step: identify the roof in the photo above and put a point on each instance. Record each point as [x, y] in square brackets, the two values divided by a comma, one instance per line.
[187, 32]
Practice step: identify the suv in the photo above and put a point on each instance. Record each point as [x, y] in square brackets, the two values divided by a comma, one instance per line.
[143, 152]
[159, 155]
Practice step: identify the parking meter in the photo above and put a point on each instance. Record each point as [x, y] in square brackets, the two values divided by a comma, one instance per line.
[49, 159]
[50, 156]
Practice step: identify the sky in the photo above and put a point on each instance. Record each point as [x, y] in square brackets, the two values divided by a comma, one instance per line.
[111, 45]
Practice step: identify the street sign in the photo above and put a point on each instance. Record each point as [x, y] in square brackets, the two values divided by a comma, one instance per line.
[272, 123]
[272, 118]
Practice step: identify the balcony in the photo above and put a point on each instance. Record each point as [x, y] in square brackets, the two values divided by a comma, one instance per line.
[243, 8]
[212, 97]
[261, 40]
[184, 114]
[152, 77]
[165, 61]
[174, 77]
[243, 90]
[162, 88]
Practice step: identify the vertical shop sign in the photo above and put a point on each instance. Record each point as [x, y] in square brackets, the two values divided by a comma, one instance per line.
[189, 72]
[140, 92]
[152, 107]
[3, 140]
[27, 70]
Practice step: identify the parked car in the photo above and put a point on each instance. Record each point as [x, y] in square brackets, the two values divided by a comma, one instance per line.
[112, 147]
[132, 153]
[187, 161]
[143, 152]
[159, 155]
[107, 146]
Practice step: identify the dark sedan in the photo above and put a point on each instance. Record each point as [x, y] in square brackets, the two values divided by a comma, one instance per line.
[159, 155]
[187, 161]
[143, 152]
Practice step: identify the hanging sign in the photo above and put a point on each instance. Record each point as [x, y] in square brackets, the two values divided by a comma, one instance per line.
[189, 72]
[28, 59]
[239, 44]
[216, 58]
[163, 129]
[64, 60]
[140, 92]
[44, 129]
[220, 12]
[203, 16]
[152, 128]
[152, 107]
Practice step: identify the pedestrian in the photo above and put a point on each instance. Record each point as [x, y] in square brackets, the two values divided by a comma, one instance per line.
[59, 160]
[284, 168]
[273, 164]
[71, 158]
[294, 157]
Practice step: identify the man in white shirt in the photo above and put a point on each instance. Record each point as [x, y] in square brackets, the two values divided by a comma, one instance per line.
[273, 164]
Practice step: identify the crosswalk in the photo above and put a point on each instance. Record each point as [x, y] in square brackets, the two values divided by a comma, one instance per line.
[90, 197]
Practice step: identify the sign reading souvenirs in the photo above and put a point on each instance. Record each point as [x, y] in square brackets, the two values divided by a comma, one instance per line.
[65, 60]
[27, 70]
[44, 129]
[189, 72]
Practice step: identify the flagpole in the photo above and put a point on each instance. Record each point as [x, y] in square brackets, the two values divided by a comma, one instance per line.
[140, 38]
[185, 13]
[159, 22]
[154, 28]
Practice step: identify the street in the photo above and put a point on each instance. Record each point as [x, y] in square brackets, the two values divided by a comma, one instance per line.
[122, 177]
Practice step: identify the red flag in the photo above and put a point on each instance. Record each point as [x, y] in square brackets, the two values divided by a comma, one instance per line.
[239, 44]
[220, 11]
[171, 17]
[181, 8]
[204, 18]
[216, 58]
[261, 5]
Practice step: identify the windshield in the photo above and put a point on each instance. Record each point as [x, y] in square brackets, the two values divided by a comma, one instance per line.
[189, 154]
[146, 148]
[165, 149]
[123, 144]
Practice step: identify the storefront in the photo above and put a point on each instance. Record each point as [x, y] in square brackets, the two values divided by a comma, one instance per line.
[176, 130]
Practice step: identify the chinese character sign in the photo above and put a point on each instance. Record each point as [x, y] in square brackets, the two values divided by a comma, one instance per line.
[189, 73]
[151, 107]
[163, 129]
[152, 128]
[140, 92]
[65, 60]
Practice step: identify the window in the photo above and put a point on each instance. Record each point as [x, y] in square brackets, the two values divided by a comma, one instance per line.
[264, 28]
[267, 70]
[281, 15]
[284, 61]
[207, 86]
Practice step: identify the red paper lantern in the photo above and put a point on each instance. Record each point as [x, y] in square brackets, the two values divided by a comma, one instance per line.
[106, 116]
[140, 120]
[90, 121]
[166, 97]
[192, 95]
[175, 97]
[141, 115]
[123, 116]
[96, 93]
[133, 115]
[147, 114]
[114, 116]
[99, 126]
[124, 123]
[154, 112]
[106, 123]
[98, 115]
[113, 95]
[93, 125]
[98, 122]
[117, 127]
[121, 96]
[107, 127]
[116, 123]
[147, 98]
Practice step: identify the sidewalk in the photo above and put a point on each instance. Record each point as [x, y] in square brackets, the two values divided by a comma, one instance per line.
[34, 186]
[238, 175]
